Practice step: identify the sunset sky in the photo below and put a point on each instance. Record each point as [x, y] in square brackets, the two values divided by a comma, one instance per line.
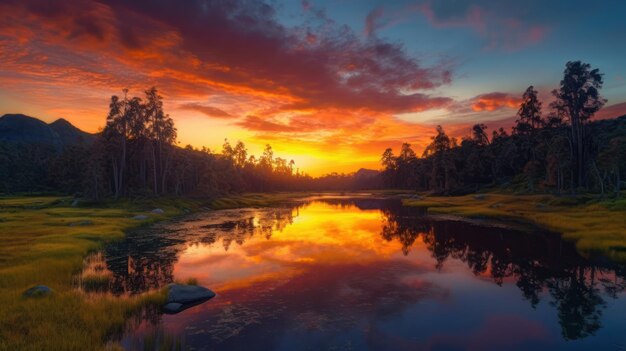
[329, 84]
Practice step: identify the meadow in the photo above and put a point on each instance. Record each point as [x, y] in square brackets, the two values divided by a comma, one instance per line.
[45, 241]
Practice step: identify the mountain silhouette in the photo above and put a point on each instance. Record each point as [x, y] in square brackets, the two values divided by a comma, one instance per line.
[19, 128]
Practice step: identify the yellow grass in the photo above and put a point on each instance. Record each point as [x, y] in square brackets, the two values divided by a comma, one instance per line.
[40, 247]
[256, 200]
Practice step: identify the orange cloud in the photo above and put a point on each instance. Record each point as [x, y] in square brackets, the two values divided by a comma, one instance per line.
[327, 96]
[495, 101]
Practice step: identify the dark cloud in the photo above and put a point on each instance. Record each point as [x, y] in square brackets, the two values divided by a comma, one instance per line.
[207, 110]
[240, 45]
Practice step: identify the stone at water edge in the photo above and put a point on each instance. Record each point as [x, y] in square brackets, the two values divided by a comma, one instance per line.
[38, 291]
[181, 297]
[140, 217]
[173, 307]
[158, 211]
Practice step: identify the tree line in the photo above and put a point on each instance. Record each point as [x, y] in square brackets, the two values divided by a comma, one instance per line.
[561, 151]
[136, 155]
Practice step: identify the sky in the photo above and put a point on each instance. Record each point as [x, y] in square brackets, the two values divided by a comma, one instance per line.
[329, 84]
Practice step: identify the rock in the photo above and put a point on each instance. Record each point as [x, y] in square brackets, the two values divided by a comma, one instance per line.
[38, 291]
[75, 203]
[140, 217]
[173, 307]
[158, 211]
[541, 206]
[81, 223]
[480, 197]
[181, 297]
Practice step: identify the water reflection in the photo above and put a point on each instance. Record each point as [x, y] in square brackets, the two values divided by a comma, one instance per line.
[353, 273]
[145, 260]
[537, 261]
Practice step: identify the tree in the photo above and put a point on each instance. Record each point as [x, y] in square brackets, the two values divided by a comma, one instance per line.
[240, 154]
[388, 161]
[578, 98]
[613, 161]
[529, 113]
[162, 135]
[443, 164]
[479, 134]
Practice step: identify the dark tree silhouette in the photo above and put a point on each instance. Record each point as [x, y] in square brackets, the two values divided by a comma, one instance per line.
[578, 98]
[529, 113]
[557, 153]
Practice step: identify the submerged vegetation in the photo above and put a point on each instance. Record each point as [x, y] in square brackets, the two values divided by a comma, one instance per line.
[596, 226]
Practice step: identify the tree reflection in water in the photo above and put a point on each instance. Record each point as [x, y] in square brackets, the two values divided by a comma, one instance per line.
[539, 262]
[146, 258]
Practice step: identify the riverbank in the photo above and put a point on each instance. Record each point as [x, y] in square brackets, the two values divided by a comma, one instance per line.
[597, 227]
[44, 241]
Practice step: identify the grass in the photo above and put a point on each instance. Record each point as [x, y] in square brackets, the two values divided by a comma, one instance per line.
[256, 200]
[47, 241]
[596, 226]
[272, 199]
[40, 247]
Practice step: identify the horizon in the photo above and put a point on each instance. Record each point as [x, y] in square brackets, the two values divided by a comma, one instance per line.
[328, 85]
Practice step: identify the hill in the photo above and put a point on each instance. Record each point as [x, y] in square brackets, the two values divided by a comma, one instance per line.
[19, 128]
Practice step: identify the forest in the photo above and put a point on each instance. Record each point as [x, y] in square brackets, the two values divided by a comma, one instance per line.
[563, 151]
[137, 155]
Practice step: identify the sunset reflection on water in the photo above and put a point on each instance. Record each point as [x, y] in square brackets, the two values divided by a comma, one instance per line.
[371, 274]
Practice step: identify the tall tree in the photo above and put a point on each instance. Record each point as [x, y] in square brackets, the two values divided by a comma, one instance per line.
[578, 97]
[443, 164]
[529, 113]
[162, 134]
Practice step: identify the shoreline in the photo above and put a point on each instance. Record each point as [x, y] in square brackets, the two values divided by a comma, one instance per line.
[41, 245]
[595, 226]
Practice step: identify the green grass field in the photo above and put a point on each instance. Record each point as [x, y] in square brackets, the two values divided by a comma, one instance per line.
[597, 226]
[39, 246]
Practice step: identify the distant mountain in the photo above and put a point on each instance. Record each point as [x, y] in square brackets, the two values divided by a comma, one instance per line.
[365, 173]
[18, 128]
[70, 135]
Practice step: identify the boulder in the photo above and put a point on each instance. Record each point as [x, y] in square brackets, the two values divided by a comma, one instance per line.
[181, 297]
[173, 307]
[38, 291]
[158, 211]
[141, 217]
[75, 203]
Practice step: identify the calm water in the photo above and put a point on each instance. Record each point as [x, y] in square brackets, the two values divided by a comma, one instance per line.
[363, 274]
